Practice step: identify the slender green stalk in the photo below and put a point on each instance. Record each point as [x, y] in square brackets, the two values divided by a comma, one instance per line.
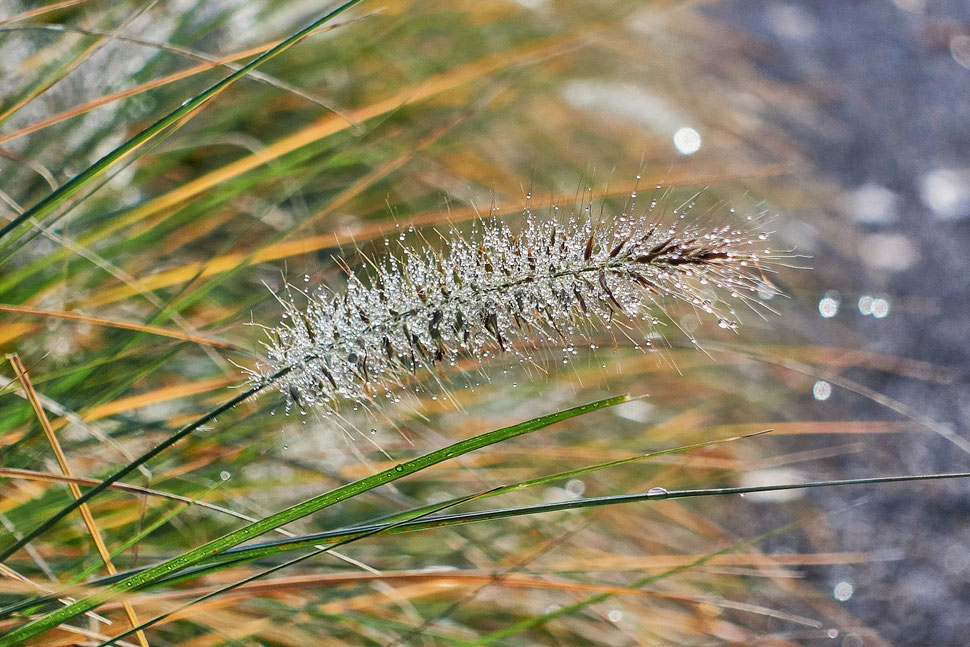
[144, 532]
[34, 606]
[536, 621]
[559, 476]
[266, 549]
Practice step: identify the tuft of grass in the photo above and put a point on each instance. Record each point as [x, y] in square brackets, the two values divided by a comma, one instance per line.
[152, 202]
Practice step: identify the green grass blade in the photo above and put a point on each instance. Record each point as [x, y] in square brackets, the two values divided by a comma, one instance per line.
[559, 476]
[262, 550]
[148, 623]
[293, 513]
[133, 465]
[259, 550]
[30, 606]
[128, 469]
[144, 532]
[536, 621]
[78, 182]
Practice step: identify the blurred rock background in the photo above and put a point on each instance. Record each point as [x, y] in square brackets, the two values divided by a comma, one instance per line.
[890, 128]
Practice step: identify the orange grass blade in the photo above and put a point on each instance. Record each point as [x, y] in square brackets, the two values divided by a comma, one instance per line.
[332, 124]
[287, 249]
[85, 511]
[31, 13]
[164, 394]
[138, 89]
[115, 323]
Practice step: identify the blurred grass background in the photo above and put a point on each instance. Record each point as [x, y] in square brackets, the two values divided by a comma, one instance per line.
[130, 309]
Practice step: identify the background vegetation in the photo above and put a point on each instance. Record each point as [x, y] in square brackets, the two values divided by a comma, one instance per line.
[128, 305]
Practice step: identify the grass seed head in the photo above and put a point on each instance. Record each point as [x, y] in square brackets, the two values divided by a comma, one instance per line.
[502, 291]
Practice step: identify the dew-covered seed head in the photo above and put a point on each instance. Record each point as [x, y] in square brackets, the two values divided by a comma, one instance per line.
[551, 282]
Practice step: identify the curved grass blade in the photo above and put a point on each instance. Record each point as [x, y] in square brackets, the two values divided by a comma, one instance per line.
[208, 62]
[559, 476]
[530, 623]
[266, 549]
[78, 182]
[114, 323]
[32, 13]
[129, 468]
[262, 550]
[323, 549]
[33, 606]
[64, 465]
[36, 605]
[290, 514]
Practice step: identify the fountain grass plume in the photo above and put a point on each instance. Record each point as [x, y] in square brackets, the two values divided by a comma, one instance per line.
[498, 290]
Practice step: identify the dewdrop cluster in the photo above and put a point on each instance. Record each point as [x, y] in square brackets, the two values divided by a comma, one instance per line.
[501, 291]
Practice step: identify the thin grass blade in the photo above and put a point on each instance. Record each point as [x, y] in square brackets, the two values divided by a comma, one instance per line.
[78, 182]
[292, 513]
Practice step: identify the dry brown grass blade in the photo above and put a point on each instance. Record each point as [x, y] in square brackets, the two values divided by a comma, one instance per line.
[115, 323]
[232, 261]
[208, 63]
[332, 124]
[164, 394]
[9, 332]
[14, 575]
[119, 274]
[666, 562]
[32, 475]
[29, 587]
[362, 233]
[226, 624]
[34, 166]
[446, 578]
[138, 89]
[11, 437]
[67, 416]
[70, 66]
[33, 13]
[380, 599]
[277, 251]
[378, 173]
[740, 606]
[234, 626]
[858, 358]
[820, 427]
[21, 372]
[810, 369]
[47, 477]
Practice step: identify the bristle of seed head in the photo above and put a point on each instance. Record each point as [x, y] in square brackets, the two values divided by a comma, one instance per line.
[547, 284]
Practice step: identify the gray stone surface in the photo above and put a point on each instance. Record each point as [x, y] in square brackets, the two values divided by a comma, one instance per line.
[896, 76]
